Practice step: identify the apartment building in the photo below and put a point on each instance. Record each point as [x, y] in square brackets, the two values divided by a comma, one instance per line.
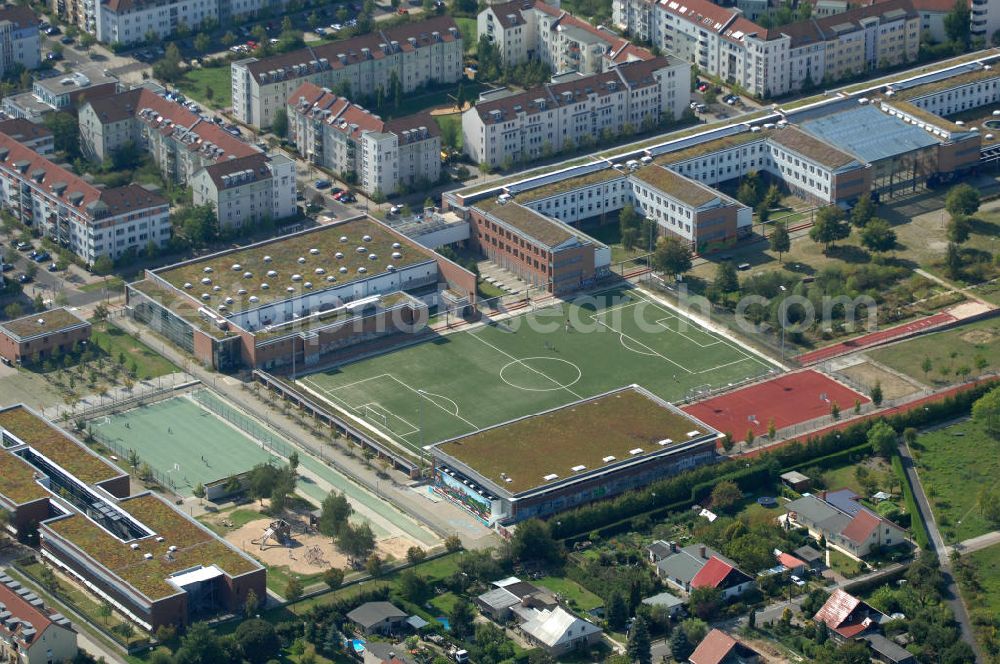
[32, 633]
[416, 54]
[20, 41]
[724, 43]
[524, 30]
[635, 95]
[32, 136]
[60, 93]
[382, 155]
[131, 21]
[985, 19]
[184, 144]
[247, 190]
[91, 222]
[541, 250]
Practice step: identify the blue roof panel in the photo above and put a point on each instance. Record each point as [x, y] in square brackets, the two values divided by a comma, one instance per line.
[869, 134]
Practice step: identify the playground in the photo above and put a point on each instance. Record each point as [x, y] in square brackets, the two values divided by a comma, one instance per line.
[184, 442]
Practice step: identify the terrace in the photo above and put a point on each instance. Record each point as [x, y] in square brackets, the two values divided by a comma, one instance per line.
[53, 444]
[527, 453]
[46, 322]
[196, 547]
[284, 268]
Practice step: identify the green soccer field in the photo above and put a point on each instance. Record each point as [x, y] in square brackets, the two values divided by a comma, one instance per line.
[458, 383]
[184, 443]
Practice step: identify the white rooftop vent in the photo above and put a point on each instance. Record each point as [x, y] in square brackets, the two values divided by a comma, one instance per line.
[692, 434]
[989, 137]
[577, 469]
[290, 289]
[331, 278]
[314, 251]
[319, 270]
[205, 296]
[397, 255]
[302, 259]
[296, 277]
[207, 270]
[216, 288]
[254, 299]
[390, 268]
[242, 291]
[171, 548]
[665, 441]
[272, 273]
[343, 238]
[264, 286]
[229, 300]
[550, 477]
[338, 255]
[159, 538]
[366, 238]
[237, 267]
[362, 270]
[248, 275]
[960, 123]
[133, 546]
[147, 556]
[188, 285]
[637, 450]
[372, 257]
[343, 270]
[206, 281]
[308, 284]
[396, 245]
[267, 259]
[608, 459]
[361, 250]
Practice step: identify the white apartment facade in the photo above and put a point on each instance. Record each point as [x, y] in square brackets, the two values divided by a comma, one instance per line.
[546, 120]
[385, 156]
[20, 41]
[415, 54]
[91, 222]
[130, 21]
[724, 43]
[248, 190]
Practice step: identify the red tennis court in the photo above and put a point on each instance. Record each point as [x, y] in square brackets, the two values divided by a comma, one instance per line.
[874, 338]
[788, 400]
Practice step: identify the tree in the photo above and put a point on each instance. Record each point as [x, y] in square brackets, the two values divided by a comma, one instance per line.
[835, 410]
[959, 228]
[199, 223]
[876, 394]
[413, 587]
[333, 577]
[533, 541]
[356, 541]
[725, 495]
[882, 438]
[199, 492]
[460, 618]
[986, 412]
[374, 566]
[780, 241]
[202, 42]
[863, 211]
[293, 589]
[101, 312]
[639, 644]
[877, 236]
[168, 68]
[65, 133]
[452, 543]
[953, 260]
[615, 611]
[201, 645]
[829, 227]
[672, 256]
[749, 192]
[962, 199]
[749, 438]
[705, 602]
[257, 640]
[957, 24]
[415, 554]
[105, 610]
[250, 605]
[279, 125]
[680, 647]
[335, 512]
[726, 279]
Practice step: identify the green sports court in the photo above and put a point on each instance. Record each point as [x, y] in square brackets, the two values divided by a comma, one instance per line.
[184, 441]
[458, 383]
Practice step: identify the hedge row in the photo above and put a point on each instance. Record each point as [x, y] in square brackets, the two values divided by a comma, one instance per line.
[614, 515]
[917, 527]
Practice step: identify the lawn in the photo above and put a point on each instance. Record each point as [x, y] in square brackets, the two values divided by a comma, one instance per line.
[468, 28]
[848, 567]
[974, 347]
[987, 563]
[453, 120]
[444, 603]
[577, 596]
[217, 79]
[115, 342]
[531, 363]
[955, 463]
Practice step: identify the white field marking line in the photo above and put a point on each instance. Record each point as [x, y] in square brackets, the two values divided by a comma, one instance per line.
[386, 413]
[721, 366]
[531, 368]
[432, 402]
[441, 396]
[357, 382]
[726, 339]
[621, 340]
[661, 323]
[634, 340]
[337, 402]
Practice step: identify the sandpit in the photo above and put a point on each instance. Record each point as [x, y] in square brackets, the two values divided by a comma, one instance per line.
[310, 552]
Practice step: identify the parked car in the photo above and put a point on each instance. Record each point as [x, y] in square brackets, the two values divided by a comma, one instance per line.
[41, 257]
[322, 184]
[743, 267]
[395, 209]
[797, 581]
[67, 40]
[22, 246]
[54, 56]
[348, 197]
[336, 190]
[6, 267]
[53, 267]
[52, 31]
[23, 279]
[320, 31]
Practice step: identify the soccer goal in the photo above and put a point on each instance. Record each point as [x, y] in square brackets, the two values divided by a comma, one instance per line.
[375, 414]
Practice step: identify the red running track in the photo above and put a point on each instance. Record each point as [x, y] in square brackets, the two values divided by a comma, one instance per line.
[789, 399]
[874, 338]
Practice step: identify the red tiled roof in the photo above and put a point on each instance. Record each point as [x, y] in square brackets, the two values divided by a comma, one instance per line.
[789, 561]
[18, 15]
[25, 612]
[838, 612]
[712, 574]
[23, 130]
[861, 526]
[714, 648]
[351, 118]
[706, 14]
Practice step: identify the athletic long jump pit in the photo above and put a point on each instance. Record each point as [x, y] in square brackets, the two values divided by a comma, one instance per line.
[789, 399]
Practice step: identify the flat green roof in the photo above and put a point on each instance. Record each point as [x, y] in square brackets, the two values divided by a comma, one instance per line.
[18, 484]
[44, 322]
[569, 184]
[544, 230]
[57, 446]
[195, 546]
[713, 145]
[311, 255]
[580, 434]
[946, 84]
[681, 188]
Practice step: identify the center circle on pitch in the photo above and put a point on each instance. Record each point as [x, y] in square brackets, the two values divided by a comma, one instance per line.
[540, 374]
